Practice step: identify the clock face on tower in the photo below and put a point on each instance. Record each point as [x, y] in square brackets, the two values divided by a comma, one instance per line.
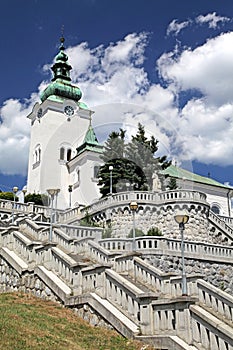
[69, 110]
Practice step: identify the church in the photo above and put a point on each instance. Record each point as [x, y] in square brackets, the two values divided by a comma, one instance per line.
[64, 153]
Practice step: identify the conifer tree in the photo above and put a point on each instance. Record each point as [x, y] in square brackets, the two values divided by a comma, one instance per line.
[134, 162]
[141, 151]
[113, 155]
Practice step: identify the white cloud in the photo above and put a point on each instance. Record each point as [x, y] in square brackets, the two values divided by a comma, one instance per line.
[115, 84]
[205, 123]
[14, 137]
[174, 27]
[212, 19]
[207, 69]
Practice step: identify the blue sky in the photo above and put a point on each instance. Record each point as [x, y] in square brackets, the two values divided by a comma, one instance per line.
[171, 58]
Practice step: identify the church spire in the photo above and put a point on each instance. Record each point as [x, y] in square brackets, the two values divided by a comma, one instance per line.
[61, 82]
[61, 67]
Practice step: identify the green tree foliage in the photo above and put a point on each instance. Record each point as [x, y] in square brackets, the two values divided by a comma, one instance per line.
[8, 196]
[172, 185]
[113, 155]
[133, 163]
[154, 231]
[38, 199]
[138, 233]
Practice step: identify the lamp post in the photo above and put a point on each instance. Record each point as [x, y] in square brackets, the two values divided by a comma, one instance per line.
[15, 190]
[52, 193]
[70, 189]
[182, 218]
[110, 169]
[133, 207]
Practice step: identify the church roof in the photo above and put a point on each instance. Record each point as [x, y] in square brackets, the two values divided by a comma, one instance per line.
[61, 83]
[183, 174]
[90, 142]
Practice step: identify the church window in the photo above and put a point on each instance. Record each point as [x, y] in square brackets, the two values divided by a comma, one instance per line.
[215, 208]
[69, 152]
[36, 156]
[62, 153]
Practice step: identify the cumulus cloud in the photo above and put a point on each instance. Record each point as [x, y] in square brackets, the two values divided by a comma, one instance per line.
[115, 84]
[212, 19]
[205, 123]
[175, 27]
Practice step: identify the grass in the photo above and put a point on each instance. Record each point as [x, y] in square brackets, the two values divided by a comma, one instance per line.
[29, 323]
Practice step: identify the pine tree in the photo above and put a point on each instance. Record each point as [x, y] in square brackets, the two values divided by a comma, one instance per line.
[133, 162]
[141, 152]
[113, 155]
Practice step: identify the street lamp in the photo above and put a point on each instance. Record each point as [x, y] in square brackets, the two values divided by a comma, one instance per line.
[52, 193]
[133, 207]
[110, 169]
[182, 218]
[70, 189]
[15, 190]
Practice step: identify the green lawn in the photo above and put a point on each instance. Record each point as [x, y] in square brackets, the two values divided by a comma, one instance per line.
[28, 323]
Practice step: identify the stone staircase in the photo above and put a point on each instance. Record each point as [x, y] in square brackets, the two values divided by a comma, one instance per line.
[137, 299]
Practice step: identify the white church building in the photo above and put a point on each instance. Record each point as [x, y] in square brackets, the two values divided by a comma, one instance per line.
[65, 153]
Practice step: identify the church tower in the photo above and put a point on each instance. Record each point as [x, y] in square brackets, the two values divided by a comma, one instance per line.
[63, 142]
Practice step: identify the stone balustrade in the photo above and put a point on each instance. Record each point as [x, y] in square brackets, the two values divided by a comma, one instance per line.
[172, 317]
[124, 294]
[149, 198]
[100, 254]
[69, 215]
[208, 332]
[63, 265]
[79, 232]
[165, 246]
[219, 301]
[228, 220]
[222, 225]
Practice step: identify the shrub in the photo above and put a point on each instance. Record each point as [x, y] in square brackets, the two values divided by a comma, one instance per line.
[38, 199]
[154, 231]
[8, 196]
[138, 233]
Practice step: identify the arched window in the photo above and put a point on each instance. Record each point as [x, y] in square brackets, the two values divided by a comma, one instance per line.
[215, 208]
[62, 153]
[36, 156]
[68, 155]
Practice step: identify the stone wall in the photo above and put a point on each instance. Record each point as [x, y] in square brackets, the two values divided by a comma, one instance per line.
[219, 275]
[162, 218]
[12, 281]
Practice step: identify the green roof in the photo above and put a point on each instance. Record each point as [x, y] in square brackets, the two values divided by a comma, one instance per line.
[90, 142]
[179, 173]
[60, 85]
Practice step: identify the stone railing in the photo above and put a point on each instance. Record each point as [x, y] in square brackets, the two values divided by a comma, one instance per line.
[171, 315]
[217, 221]
[166, 246]
[208, 332]
[219, 301]
[9, 206]
[124, 198]
[82, 231]
[228, 220]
